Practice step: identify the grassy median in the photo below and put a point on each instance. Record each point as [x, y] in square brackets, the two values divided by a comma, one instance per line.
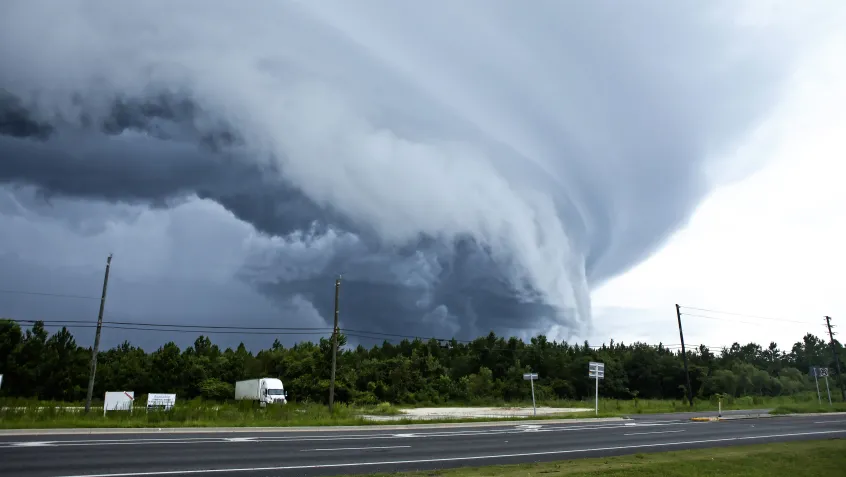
[823, 458]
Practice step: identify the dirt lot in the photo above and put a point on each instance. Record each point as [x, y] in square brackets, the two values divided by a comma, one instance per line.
[425, 413]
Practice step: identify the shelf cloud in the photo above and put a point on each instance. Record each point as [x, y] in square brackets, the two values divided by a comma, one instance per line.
[467, 166]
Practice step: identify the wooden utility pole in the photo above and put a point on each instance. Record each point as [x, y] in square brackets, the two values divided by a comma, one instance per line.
[96, 347]
[334, 346]
[836, 359]
[684, 357]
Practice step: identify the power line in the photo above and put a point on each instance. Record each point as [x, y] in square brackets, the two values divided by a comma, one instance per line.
[173, 330]
[232, 332]
[56, 295]
[270, 331]
[405, 336]
[232, 327]
[718, 318]
[741, 315]
[173, 325]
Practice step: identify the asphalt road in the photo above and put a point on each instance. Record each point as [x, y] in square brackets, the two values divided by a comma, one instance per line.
[362, 451]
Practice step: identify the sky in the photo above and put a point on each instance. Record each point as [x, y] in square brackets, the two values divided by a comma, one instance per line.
[566, 169]
[768, 247]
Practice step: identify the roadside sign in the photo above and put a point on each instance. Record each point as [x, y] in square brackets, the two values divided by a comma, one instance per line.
[118, 401]
[531, 378]
[818, 372]
[1, 381]
[159, 400]
[596, 370]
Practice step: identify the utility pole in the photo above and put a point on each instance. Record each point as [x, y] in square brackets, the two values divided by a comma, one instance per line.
[96, 347]
[836, 359]
[334, 346]
[684, 357]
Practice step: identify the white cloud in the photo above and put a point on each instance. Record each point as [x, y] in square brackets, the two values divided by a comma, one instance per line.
[771, 245]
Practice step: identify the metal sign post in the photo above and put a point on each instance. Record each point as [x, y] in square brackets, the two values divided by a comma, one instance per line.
[597, 372]
[816, 372]
[531, 377]
[824, 373]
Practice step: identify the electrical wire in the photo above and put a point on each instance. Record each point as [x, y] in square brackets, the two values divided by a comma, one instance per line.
[55, 295]
[717, 318]
[173, 325]
[741, 315]
[271, 331]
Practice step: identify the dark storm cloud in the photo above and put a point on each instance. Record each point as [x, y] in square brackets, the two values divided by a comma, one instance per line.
[468, 166]
[149, 150]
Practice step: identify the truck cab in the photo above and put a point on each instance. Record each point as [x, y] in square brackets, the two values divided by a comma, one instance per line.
[272, 391]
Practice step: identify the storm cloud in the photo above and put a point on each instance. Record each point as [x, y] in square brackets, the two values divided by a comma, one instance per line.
[468, 166]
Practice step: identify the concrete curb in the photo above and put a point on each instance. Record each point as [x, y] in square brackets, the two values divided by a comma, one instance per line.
[209, 430]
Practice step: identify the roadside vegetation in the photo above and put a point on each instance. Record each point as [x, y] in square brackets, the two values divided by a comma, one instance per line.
[187, 414]
[23, 413]
[812, 406]
[825, 457]
[43, 371]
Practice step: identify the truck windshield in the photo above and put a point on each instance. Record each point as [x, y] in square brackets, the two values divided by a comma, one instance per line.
[274, 392]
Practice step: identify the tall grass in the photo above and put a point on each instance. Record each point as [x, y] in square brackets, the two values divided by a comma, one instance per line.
[25, 413]
[193, 413]
[651, 406]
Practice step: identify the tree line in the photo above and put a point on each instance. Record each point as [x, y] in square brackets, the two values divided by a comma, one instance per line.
[36, 364]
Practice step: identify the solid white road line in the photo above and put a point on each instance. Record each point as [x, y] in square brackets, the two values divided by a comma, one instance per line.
[654, 432]
[459, 459]
[354, 448]
[355, 437]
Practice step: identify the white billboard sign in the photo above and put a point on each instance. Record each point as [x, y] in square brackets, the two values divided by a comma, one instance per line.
[530, 376]
[159, 400]
[1, 381]
[118, 401]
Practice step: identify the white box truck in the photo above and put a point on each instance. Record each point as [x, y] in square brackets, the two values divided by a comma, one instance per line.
[264, 390]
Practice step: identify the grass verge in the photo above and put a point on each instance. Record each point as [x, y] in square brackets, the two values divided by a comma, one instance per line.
[809, 407]
[188, 414]
[624, 407]
[199, 414]
[823, 457]
[31, 414]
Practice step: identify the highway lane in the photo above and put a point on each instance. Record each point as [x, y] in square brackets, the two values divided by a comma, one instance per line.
[321, 453]
[675, 416]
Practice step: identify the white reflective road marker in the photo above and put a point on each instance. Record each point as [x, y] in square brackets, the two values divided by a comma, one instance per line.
[528, 427]
[32, 444]
[354, 448]
[653, 432]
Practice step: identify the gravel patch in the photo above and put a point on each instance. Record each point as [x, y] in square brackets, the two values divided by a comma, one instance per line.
[429, 413]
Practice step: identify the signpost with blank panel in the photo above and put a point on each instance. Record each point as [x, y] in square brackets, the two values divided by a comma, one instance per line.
[531, 377]
[597, 372]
